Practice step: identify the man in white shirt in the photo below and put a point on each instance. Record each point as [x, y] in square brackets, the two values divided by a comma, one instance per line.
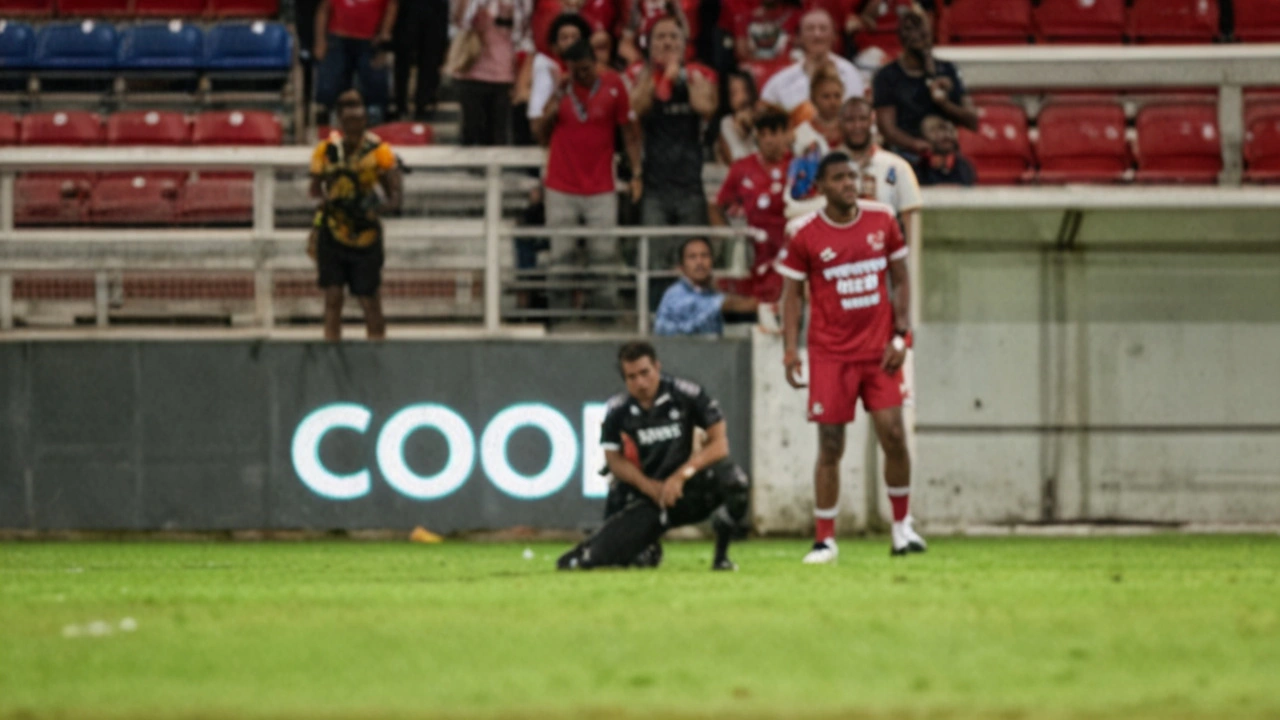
[789, 88]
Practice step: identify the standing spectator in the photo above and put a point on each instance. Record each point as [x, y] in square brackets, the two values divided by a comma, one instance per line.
[600, 15]
[421, 38]
[484, 89]
[351, 38]
[602, 47]
[943, 164]
[737, 128]
[789, 88]
[549, 67]
[578, 123]
[693, 306]
[915, 86]
[642, 15]
[763, 36]
[820, 116]
[755, 187]
[882, 176]
[346, 241]
[672, 98]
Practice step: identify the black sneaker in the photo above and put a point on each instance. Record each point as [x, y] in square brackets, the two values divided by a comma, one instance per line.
[650, 557]
[724, 564]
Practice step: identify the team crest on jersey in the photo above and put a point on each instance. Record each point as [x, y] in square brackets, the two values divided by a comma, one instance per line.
[675, 414]
[876, 240]
[635, 410]
[827, 255]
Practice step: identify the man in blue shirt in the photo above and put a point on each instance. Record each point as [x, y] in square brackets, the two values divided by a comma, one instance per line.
[693, 306]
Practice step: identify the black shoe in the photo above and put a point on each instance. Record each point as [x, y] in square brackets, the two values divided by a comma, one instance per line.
[650, 557]
[724, 564]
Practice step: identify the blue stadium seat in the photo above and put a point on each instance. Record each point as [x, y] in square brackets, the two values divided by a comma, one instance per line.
[17, 45]
[249, 47]
[86, 45]
[173, 46]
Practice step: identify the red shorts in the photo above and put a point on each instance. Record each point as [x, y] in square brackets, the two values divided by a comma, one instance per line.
[834, 389]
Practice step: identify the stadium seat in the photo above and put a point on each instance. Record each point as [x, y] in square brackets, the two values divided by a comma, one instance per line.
[1000, 150]
[17, 46]
[85, 45]
[1173, 21]
[986, 22]
[244, 8]
[8, 130]
[1257, 20]
[50, 200]
[1082, 142]
[1080, 21]
[28, 8]
[132, 200]
[172, 46]
[170, 8]
[405, 133]
[148, 127]
[71, 127]
[237, 127]
[93, 8]
[1178, 143]
[1262, 144]
[249, 47]
[217, 201]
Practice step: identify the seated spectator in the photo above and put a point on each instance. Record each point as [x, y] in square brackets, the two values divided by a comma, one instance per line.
[763, 37]
[421, 40]
[578, 123]
[600, 15]
[484, 89]
[754, 188]
[693, 306]
[737, 128]
[548, 69]
[672, 98]
[351, 37]
[819, 118]
[917, 85]
[943, 164]
[641, 15]
[789, 88]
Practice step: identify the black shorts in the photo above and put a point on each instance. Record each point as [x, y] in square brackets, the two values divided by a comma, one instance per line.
[359, 269]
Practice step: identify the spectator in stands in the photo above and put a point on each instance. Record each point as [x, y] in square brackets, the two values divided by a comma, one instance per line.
[346, 241]
[820, 116]
[754, 187]
[641, 15]
[737, 128]
[352, 37]
[943, 164]
[672, 98]
[693, 306]
[915, 86]
[549, 68]
[485, 88]
[882, 176]
[600, 16]
[421, 38]
[605, 51]
[578, 123]
[763, 36]
[789, 88]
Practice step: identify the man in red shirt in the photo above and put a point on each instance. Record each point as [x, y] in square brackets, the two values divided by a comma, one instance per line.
[754, 186]
[351, 38]
[858, 339]
[578, 125]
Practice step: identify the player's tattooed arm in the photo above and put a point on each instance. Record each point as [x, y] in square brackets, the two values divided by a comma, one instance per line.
[792, 307]
[627, 472]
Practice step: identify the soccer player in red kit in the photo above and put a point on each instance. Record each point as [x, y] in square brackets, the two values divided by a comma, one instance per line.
[858, 338]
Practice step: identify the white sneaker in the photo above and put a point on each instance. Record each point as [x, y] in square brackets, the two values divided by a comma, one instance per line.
[906, 539]
[823, 553]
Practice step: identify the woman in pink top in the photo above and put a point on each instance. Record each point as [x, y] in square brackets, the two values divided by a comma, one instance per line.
[484, 90]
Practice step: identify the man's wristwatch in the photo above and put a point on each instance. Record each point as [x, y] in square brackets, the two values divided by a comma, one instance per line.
[901, 339]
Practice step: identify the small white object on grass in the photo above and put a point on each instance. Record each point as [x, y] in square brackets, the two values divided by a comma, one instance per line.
[70, 631]
[528, 553]
[128, 625]
[99, 628]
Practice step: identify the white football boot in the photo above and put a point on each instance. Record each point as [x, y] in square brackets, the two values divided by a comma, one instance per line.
[906, 539]
[823, 553]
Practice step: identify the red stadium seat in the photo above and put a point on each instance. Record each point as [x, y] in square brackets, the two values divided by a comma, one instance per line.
[217, 201]
[1179, 143]
[1082, 142]
[1173, 21]
[50, 199]
[1257, 20]
[72, 127]
[1000, 150]
[1001, 22]
[244, 8]
[237, 127]
[1080, 21]
[93, 8]
[132, 200]
[1262, 143]
[9, 130]
[28, 8]
[170, 8]
[406, 134]
[148, 127]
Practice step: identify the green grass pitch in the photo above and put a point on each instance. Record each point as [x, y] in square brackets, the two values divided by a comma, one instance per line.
[1162, 626]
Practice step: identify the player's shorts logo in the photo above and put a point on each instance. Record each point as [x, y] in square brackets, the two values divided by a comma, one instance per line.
[816, 410]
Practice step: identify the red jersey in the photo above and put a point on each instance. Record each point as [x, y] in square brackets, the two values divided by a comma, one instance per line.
[642, 14]
[580, 160]
[599, 14]
[766, 34]
[851, 318]
[360, 19]
[757, 189]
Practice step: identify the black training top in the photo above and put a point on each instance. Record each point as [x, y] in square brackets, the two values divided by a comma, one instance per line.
[663, 434]
[892, 86]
